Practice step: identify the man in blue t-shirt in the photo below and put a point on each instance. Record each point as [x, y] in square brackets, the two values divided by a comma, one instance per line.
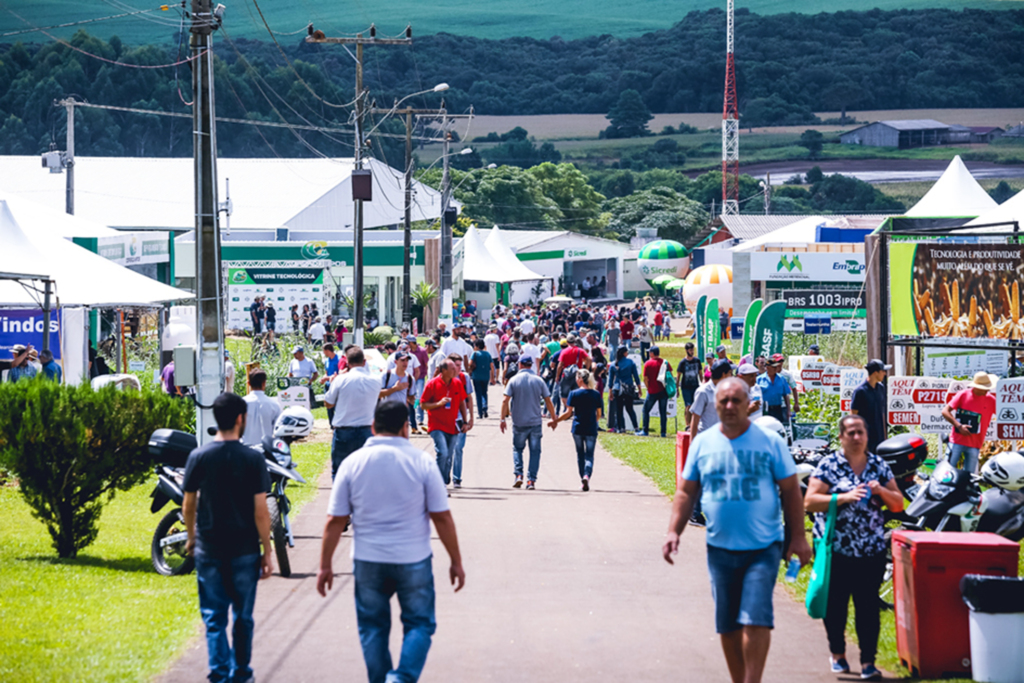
[775, 390]
[738, 470]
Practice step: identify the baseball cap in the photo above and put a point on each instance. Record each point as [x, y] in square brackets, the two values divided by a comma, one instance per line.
[720, 368]
[296, 349]
[430, 342]
[874, 365]
[563, 343]
[776, 359]
[748, 369]
[227, 354]
[814, 347]
[721, 347]
[525, 360]
[401, 355]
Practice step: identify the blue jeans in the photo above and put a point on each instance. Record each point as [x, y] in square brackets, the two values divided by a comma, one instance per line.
[657, 332]
[445, 445]
[480, 387]
[585, 446]
[417, 388]
[460, 443]
[742, 582]
[347, 440]
[662, 399]
[643, 351]
[970, 456]
[520, 436]
[376, 582]
[227, 584]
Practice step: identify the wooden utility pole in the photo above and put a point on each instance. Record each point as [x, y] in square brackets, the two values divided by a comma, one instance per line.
[357, 234]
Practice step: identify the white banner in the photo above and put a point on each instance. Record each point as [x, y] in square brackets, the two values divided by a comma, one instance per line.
[849, 380]
[811, 374]
[918, 401]
[1010, 409]
[940, 362]
[830, 379]
[134, 248]
[808, 266]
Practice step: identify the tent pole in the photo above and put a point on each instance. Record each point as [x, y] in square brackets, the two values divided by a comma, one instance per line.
[47, 289]
[122, 358]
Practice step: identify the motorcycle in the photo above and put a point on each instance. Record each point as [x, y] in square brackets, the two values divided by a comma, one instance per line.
[171, 449]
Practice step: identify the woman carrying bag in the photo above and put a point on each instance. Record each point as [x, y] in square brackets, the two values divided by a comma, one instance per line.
[623, 379]
[860, 483]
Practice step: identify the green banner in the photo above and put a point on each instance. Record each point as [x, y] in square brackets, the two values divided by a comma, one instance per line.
[748, 325]
[769, 328]
[698, 325]
[712, 331]
[901, 289]
[275, 276]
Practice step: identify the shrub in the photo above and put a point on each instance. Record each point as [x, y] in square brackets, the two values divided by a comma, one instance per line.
[71, 448]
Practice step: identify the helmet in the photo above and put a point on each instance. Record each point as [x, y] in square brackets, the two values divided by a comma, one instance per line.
[1005, 470]
[295, 422]
[771, 424]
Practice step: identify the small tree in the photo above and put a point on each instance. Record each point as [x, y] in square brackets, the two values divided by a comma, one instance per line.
[71, 448]
[1001, 192]
[813, 141]
[629, 117]
[424, 295]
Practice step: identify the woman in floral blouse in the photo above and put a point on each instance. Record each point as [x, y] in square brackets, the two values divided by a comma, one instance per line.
[864, 484]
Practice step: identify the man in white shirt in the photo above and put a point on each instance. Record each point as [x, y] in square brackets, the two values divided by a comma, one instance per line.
[531, 349]
[229, 372]
[302, 366]
[316, 333]
[353, 395]
[456, 344]
[527, 327]
[391, 491]
[261, 411]
[492, 342]
[436, 358]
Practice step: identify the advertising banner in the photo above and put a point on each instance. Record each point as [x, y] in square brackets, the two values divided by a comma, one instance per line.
[818, 324]
[293, 391]
[940, 362]
[698, 326]
[284, 287]
[712, 332]
[811, 373]
[749, 322]
[957, 291]
[670, 408]
[811, 266]
[830, 379]
[25, 326]
[849, 379]
[769, 328]
[848, 299]
[918, 402]
[1010, 408]
[134, 248]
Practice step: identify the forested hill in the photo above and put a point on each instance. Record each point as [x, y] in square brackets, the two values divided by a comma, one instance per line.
[857, 60]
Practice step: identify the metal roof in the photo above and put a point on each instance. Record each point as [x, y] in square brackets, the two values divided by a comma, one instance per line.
[915, 124]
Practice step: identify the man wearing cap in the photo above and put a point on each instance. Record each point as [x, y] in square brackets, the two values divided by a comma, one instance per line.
[456, 344]
[353, 395]
[814, 350]
[436, 357]
[970, 413]
[300, 366]
[721, 352]
[869, 402]
[316, 333]
[748, 373]
[20, 367]
[397, 382]
[775, 391]
[656, 392]
[523, 396]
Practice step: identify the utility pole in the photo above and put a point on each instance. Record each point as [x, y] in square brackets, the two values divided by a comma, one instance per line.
[357, 237]
[69, 199]
[730, 127]
[209, 320]
[445, 314]
[767, 194]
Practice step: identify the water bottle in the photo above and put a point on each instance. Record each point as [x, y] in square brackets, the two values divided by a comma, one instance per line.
[793, 569]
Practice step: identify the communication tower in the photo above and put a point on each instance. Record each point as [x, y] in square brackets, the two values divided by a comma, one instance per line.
[730, 128]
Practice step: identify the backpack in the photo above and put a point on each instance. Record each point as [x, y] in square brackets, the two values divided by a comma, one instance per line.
[568, 381]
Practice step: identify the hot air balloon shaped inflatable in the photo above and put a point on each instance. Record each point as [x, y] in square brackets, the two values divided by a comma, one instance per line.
[664, 257]
[714, 280]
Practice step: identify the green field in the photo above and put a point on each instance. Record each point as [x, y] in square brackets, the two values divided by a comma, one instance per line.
[495, 19]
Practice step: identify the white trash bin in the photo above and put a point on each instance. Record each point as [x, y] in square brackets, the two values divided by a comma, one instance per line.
[997, 647]
[996, 626]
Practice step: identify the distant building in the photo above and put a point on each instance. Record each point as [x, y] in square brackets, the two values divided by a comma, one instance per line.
[901, 134]
[1015, 131]
[985, 134]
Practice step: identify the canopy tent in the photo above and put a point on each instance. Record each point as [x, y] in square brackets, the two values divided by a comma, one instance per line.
[19, 259]
[504, 255]
[803, 232]
[1010, 210]
[484, 265]
[955, 193]
[27, 212]
[82, 278]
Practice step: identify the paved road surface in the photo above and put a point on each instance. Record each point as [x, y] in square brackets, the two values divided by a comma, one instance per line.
[561, 586]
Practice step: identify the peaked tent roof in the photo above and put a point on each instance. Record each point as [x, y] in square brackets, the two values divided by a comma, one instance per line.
[19, 257]
[1010, 210]
[504, 255]
[480, 263]
[83, 278]
[27, 212]
[955, 193]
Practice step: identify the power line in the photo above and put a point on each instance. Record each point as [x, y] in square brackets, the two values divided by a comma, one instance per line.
[79, 23]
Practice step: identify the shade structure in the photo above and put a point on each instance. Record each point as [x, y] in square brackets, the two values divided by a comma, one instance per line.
[510, 263]
[1010, 210]
[662, 280]
[30, 213]
[19, 258]
[82, 278]
[480, 264]
[955, 193]
[675, 284]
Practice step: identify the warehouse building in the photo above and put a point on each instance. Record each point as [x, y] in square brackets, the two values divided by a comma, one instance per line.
[902, 134]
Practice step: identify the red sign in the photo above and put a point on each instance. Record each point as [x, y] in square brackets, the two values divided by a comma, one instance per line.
[845, 404]
[904, 417]
[930, 396]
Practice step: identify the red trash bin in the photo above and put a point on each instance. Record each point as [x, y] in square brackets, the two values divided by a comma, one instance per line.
[932, 631]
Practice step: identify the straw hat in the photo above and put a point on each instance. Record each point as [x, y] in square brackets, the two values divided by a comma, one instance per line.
[984, 381]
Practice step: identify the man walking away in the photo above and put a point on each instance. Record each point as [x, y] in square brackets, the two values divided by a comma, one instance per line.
[261, 411]
[481, 368]
[868, 401]
[391, 490]
[656, 392]
[523, 396]
[738, 471]
[226, 526]
[444, 399]
[690, 375]
[353, 396]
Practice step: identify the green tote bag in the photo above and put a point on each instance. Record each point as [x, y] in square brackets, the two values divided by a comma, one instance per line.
[817, 589]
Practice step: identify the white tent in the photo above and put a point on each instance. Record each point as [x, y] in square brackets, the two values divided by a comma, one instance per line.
[27, 212]
[1010, 210]
[504, 255]
[801, 233]
[955, 193]
[82, 277]
[480, 263]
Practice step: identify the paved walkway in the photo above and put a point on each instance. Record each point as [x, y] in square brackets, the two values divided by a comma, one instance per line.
[561, 586]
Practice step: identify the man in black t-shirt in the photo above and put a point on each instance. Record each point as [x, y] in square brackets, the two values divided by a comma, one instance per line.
[226, 526]
[691, 373]
[869, 402]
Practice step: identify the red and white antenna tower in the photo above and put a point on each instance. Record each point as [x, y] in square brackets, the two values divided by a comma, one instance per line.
[730, 129]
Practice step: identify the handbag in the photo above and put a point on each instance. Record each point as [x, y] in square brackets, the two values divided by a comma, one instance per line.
[821, 571]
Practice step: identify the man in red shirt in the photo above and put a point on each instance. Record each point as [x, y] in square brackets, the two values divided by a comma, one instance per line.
[626, 332]
[659, 320]
[970, 412]
[444, 399]
[655, 391]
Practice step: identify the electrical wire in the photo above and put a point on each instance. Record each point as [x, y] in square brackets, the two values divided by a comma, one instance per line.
[152, 19]
[80, 23]
[181, 39]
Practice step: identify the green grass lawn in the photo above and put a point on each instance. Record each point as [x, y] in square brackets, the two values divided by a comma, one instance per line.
[105, 615]
[655, 458]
